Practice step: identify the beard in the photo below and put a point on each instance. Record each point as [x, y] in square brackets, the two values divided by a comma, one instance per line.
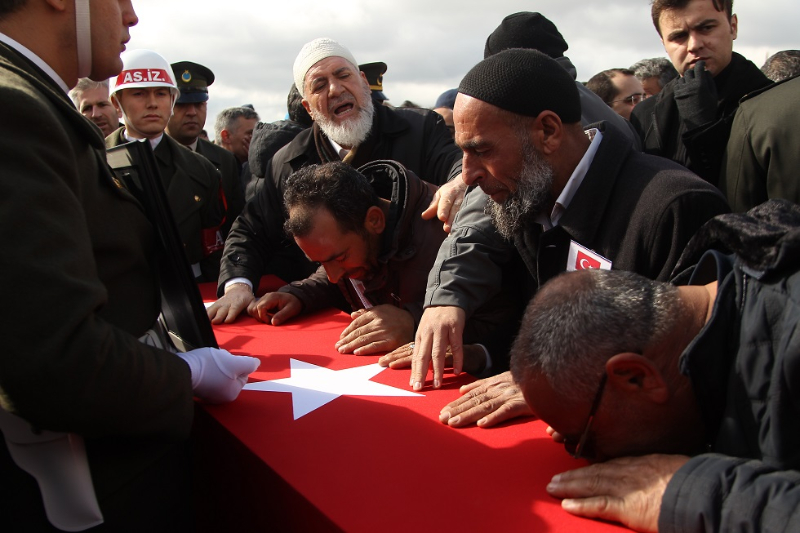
[351, 132]
[533, 194]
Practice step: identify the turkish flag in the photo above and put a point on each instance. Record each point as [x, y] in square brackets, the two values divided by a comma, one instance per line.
[363, 463]
[583, 261]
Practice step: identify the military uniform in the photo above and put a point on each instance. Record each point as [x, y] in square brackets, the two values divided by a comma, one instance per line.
[193, 80]
[79, 261]
[228, 168]
[194, 194]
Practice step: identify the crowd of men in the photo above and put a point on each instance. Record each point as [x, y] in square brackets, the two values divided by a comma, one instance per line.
[617, 258]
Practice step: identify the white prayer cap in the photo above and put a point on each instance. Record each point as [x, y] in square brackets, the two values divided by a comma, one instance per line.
[314, 52]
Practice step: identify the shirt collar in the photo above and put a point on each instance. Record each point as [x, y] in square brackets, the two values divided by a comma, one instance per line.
[573, 183]
[153, 142]
[338, 147]
[36, 60]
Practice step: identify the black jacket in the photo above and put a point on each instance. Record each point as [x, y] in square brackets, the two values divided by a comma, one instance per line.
[701, 149]
[745, 370]
[268, 138]
[257, 244]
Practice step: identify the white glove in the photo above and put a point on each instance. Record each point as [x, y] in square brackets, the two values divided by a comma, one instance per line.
[218, 375]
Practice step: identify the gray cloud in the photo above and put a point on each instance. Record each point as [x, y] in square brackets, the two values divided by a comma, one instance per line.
[428, 45]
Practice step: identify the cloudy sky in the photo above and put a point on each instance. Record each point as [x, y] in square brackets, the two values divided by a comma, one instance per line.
[428, 45]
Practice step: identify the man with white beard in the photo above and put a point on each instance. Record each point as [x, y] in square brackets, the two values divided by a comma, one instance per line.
[346, 127]
[552, 196]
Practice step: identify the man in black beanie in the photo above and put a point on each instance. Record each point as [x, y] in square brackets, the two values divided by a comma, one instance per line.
[561, 198]
[534, 31]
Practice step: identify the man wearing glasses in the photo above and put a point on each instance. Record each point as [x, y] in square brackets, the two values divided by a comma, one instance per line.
[689, 121]
[619, 88]
[689, 392]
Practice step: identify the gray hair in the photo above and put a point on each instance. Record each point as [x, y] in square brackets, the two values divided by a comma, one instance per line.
[226, 119]
[782, 65]
[85, 84]
[578, 320]
[660, 67]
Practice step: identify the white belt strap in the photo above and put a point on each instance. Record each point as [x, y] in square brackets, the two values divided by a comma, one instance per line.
[58, 462]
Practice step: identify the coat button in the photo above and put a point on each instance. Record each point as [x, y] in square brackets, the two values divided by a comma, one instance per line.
[196, 198]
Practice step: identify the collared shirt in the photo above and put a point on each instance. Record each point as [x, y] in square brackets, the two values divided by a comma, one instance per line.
[193, 146]
[153, 142]
[339, 149]
[574, 182]
[36, 60]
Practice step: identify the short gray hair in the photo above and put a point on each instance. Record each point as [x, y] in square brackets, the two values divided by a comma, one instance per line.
[659, 67]
[228, 117]
[85, 84]
[579, 320]
[782, 65]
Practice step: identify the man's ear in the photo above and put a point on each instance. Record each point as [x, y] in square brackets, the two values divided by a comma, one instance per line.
[116, 103]
[58, 5]
[734, 26]
[375, 221]
[307, 106]
[632, 373]
[225, 135]
[549, 132]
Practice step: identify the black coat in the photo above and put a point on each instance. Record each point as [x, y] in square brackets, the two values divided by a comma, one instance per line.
[229, 169]
[702, 149]
[745, 369]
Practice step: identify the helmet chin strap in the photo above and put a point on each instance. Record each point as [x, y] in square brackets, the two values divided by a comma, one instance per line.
[83, 31]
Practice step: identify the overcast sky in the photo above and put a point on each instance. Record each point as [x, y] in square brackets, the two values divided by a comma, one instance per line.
[428, 45]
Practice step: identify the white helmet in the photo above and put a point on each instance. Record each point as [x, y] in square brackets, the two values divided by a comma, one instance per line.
[144, 68]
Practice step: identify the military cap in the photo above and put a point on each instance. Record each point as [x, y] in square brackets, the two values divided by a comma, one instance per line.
[193, 81]
[374, 73]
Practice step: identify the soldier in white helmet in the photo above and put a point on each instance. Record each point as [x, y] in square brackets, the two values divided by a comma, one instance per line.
[144, 93]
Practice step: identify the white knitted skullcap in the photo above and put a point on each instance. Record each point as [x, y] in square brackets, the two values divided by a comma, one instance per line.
[316, 51]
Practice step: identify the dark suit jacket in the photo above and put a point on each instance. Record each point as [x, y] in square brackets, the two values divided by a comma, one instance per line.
[81, 290]
[229, 169]
[193, 192]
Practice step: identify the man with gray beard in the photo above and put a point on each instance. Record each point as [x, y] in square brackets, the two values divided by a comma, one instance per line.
[552, 196]
[347, 127]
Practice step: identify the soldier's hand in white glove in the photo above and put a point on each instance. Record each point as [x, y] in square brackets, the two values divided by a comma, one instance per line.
[218, 375]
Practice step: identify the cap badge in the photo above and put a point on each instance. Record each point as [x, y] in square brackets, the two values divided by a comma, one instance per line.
[186, 77]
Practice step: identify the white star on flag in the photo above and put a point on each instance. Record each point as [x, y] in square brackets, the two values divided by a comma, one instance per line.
[313, 386]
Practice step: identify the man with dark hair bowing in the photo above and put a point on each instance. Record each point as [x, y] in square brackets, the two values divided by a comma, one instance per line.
[703, 376]
[559, 198]
[364, 228]
[347, 127]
